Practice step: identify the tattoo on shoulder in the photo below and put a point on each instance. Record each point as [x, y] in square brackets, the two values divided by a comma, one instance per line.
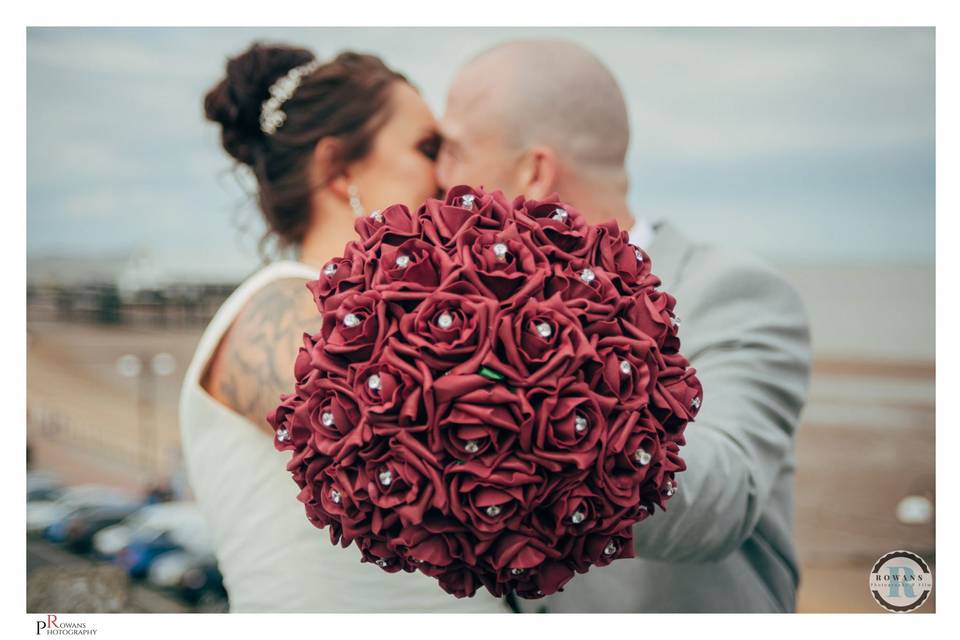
[257, 365]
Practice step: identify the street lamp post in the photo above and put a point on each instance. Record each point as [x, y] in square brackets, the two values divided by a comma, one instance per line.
[133, 366]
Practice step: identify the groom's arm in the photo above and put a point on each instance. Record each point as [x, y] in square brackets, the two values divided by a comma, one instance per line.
[745, 330]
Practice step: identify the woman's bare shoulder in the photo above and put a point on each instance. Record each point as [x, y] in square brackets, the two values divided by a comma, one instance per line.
[254, 363]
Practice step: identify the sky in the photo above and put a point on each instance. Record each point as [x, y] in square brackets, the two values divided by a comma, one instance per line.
[806, 146]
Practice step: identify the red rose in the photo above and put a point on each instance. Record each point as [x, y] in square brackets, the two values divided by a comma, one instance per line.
[392, 391]
[413, 265]
[650, 313]
[476, 417]
[513, 551]
[326, 501]
[340, 275]
[303, 368]
[626, 368]
[541, 339]
[678, 394]
[281, 419]
[450, 330]
[379, 551]
[492, 499]
[331, 415]
[462, 209]
[501, 264]
[581, 510]
[437, 543]
[569, 425]
[406, 478]
[461, 580]
[560, 229]
[545, 580]
[581, 283]
[628, 265]
[600, 550]
[632, 456]
[389, 226]
[355, 326]
[527, 565]
[308, 474]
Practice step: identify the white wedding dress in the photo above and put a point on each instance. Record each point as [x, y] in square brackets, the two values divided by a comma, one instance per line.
[272, 559]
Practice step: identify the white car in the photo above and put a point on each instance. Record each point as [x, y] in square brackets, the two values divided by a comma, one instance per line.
[191, 570]
[193, 534]
[151, 520]
[178, 569]
[42, 513]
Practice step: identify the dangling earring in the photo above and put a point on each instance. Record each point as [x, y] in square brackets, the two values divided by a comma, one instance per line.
[355, 204]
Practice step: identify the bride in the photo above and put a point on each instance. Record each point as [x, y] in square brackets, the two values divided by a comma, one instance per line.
[327, 141]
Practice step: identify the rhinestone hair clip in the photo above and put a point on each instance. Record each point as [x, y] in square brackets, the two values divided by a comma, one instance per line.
[272, 116]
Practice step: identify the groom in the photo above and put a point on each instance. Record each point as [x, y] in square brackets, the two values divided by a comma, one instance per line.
[539, 117]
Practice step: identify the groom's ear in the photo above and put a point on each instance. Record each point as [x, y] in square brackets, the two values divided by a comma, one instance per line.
[538, 172]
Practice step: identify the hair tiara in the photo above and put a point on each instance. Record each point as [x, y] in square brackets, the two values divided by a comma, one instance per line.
[272, 116]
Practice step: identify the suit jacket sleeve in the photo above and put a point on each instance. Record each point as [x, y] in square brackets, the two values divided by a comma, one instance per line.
[744, 329]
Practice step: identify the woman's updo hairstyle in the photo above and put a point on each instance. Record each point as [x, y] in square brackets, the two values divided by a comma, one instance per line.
[347, 98]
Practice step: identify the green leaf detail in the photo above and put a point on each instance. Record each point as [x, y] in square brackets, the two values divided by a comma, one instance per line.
[487, 372]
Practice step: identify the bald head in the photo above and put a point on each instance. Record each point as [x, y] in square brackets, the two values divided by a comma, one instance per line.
[550, 93]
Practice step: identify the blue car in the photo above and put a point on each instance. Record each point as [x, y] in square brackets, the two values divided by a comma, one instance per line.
[77, 527]
[137, 556]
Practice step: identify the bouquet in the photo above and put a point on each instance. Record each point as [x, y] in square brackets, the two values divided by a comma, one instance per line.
[496, 395]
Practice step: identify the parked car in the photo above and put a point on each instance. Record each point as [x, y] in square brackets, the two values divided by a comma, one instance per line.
[43, 486]
[187, 532]
[152, 518]
[136, 557]
[78, 527]
[191, 569]
[195, 578]
[43, 513]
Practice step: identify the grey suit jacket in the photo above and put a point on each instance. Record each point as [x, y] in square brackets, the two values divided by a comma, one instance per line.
[725, 541]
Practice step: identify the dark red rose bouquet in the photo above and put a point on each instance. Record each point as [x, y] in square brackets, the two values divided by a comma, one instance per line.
[495, 398]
